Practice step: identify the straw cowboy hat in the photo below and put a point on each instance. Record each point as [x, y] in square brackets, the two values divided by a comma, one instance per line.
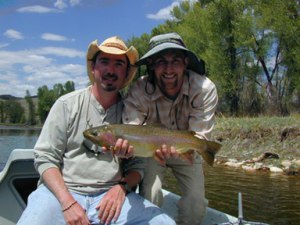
[116, 46]
[162, 42]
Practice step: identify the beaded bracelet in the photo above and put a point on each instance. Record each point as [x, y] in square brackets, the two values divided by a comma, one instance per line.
[68, 207]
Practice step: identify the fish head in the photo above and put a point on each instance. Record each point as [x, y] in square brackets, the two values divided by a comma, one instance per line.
[102, 135]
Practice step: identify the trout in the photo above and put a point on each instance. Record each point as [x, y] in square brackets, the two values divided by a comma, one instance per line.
[145, 139]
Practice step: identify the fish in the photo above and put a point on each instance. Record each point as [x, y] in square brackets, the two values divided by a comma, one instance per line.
[145, 139]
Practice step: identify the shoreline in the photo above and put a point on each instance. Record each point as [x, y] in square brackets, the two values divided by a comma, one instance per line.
[287, 167]
[19, 127]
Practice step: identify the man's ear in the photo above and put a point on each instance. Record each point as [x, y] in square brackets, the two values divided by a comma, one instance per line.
[92, 67]
[186, 60]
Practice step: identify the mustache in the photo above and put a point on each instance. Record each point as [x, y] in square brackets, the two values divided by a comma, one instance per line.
[110, 76]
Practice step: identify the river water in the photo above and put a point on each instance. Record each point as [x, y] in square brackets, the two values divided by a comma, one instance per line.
[268, 198]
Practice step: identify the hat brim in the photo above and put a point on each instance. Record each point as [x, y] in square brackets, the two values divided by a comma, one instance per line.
[131, 54]
[195, 64]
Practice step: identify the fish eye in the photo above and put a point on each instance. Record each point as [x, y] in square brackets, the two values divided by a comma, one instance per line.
[94, 133]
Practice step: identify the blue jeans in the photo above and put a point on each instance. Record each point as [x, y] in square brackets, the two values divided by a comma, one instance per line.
[43, 209]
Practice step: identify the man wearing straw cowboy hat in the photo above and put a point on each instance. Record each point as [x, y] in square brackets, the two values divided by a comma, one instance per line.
[81, 183]
[177, 95]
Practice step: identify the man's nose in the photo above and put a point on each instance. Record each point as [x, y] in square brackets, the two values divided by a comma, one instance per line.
[111, 68]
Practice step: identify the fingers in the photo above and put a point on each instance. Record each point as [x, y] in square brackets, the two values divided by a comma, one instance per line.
[111, 204]
[107, 215]
[122, 149]
[164, 153]
[158, 156]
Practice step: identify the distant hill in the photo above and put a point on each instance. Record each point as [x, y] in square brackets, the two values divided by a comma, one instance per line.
[9, 97]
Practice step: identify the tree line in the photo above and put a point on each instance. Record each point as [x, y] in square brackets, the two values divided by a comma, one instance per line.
[251, 49]
[13, 111]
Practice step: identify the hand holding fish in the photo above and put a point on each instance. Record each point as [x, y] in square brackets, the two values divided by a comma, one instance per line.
[122, 149]
[164, 153]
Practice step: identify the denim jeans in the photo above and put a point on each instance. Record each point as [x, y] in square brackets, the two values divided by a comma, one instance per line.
[43, 209]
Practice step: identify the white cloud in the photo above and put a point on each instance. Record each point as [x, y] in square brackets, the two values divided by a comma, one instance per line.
[74, 2]
[37, 9]
[60, 4]
[13, 34]
[8, 59]
[165, 13]
[31, 69]
[58, 51]
[53, 37]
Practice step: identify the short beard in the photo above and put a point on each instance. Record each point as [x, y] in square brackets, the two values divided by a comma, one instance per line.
[110, 88]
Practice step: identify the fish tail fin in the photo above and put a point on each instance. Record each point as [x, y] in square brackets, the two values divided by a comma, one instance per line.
[211, 151]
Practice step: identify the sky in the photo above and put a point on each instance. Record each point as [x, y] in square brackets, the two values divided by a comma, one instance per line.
[44, 42]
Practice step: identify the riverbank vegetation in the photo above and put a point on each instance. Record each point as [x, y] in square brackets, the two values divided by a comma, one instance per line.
[263, 143]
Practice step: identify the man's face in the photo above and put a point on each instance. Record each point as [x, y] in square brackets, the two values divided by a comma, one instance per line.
[110, 71]
[169, 68]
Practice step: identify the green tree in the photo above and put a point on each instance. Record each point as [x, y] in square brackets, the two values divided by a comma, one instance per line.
[69, 86]
[251, 49]
[46, 100]
[2, 112]
[14, 111]
[46, 97]
[31, 109]
[248, 47]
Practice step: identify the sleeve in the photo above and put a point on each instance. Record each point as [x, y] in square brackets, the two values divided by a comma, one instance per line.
[203, 106]
[134, 164]
[135, 105]
[51, 144]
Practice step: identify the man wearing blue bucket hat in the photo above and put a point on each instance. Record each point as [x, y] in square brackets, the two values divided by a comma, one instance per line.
[176, 94]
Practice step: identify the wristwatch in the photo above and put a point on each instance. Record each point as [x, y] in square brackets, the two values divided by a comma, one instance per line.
[126, 186]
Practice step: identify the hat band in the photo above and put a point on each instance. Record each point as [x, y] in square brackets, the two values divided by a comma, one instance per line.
[169, 40]
[115, 45]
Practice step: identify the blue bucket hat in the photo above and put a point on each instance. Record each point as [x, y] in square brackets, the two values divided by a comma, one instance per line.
[162, 42]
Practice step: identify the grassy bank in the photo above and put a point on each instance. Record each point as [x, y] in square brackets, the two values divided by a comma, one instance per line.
[248, 138]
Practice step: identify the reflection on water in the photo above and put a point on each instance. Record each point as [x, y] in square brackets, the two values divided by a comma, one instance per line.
[268, 198]
[13, 138]
[273, 199]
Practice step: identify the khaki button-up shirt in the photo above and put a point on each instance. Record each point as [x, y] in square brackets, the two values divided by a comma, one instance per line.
[193, 109]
